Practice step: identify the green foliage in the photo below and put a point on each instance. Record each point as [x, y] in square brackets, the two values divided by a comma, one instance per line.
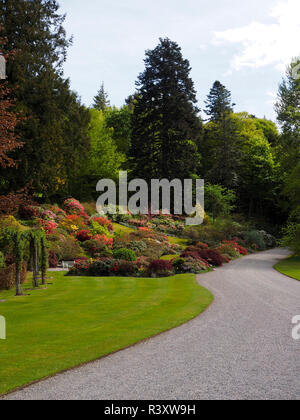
[291, 237]
[218, 200]
[292, 187]
[138, 246]
[291, 233]
[120, 121]
[104, 161]
[221, 151]
[97, 229]
[253, 238]
[66, 249]
[125, 254]
[54, 131]
[269, 129]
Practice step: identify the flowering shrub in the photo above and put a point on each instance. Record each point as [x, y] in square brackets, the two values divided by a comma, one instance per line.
[144, 229]
[242, 250]
[228, 250]
[161, 268]
[98, 246]
[194, 266]
[138, 222]
[102, 221]
[107, 241]
[73, 223]
[202, 245]
[84, 235]
[73, 206]
[81, 265]
[226, 258]
[234, 245]
[60, 214]
[48, 226]
[143, 263]
[48, 215]
[98, 229]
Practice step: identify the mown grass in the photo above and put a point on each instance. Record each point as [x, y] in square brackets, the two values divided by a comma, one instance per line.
[178, 241]
[169, 257]
[80, 319]
[122, 229]
[290, 267]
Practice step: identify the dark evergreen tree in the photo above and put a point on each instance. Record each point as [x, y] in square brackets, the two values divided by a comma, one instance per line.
[35, 30]
[101, 101]
[218, 102]
[165, 125]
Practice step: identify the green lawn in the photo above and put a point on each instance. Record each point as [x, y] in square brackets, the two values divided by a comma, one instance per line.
[178, 241]
[122, 229]
[79, 319]
[169, 257]
[290, 267]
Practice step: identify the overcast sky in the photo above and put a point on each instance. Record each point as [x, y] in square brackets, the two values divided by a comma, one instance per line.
[245, 45]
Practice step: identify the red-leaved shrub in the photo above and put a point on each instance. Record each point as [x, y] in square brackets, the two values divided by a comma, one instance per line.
[193, 254]
[84, 235]
[212, 257]
[161, 268]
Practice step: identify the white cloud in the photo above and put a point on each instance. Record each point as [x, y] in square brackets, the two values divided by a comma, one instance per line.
[266, 44]
[272, 98]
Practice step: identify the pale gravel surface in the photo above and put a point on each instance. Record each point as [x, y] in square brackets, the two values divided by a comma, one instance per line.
[240, 348]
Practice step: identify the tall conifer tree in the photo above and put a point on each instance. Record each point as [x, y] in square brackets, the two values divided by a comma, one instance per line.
[35, 30]
[165, 125]
[101, 101]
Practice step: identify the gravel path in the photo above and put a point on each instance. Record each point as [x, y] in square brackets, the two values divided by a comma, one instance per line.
[240, 348]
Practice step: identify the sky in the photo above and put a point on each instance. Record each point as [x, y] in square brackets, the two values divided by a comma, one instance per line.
[244, 45]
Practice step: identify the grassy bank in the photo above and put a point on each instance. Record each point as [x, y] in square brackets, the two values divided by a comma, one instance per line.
[79, 319]
[290, 267]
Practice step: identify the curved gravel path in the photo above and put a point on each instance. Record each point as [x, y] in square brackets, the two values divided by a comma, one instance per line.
[240, 348]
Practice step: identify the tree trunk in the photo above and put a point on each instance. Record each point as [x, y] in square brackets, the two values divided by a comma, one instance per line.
[18, 281]
[35, 281]
[44, 257]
